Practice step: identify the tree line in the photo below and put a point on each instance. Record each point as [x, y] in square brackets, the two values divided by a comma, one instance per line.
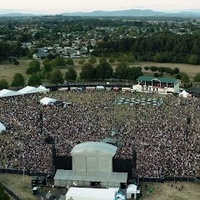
[160, 47]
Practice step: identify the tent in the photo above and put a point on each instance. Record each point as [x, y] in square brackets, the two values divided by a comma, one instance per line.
[7, 93]
[2, 127]
[184, 94]
[47, 101]
[44, 89]
[77, 193]
[30, 90]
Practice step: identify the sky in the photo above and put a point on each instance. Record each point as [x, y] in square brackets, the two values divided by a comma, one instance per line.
[60, 6]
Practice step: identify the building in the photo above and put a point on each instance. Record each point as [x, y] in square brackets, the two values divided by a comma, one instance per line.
[77, 193]
[158, 84]
[92, 166]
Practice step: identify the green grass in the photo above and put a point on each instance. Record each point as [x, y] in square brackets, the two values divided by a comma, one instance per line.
[7, 70]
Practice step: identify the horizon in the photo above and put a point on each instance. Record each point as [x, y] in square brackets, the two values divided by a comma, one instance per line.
[68, 6]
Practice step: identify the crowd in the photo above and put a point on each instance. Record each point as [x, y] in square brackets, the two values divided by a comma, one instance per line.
[166, 138]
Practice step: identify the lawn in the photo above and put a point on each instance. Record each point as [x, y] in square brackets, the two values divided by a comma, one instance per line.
[8, 70]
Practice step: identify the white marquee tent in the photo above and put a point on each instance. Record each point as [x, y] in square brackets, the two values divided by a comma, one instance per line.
[77, 193]
[30, 90]
[184, 94]
[43, 89]
[7, 93]
[47, 101]
[2, 127]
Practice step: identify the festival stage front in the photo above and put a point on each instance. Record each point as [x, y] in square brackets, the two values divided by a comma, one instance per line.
[92, 165]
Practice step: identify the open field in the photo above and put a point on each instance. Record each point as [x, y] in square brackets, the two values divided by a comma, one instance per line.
[151, 191]
[191, 70]
[170, 191]
[8, 70]
[20, 185]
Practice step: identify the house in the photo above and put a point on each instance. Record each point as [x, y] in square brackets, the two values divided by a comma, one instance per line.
[40, 55]
[158, 84]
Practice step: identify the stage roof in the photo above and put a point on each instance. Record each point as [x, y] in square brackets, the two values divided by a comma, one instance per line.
[91, 176]
[94, 148]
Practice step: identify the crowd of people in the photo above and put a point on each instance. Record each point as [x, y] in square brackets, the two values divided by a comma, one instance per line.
[166, 138]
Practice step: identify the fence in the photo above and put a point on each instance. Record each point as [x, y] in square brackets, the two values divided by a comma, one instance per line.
[168, 179]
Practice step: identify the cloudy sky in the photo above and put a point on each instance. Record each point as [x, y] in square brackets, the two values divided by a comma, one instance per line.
[59, 6]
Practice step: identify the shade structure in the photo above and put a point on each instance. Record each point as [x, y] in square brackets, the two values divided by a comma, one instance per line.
[8, 93]
[184, 94]
[77, 193]
[30, 90]
[2, 127]
[47, 101]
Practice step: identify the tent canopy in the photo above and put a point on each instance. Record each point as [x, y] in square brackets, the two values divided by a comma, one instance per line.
[184, 94]
[30, 89]
[47, 101]
[7, 93]
[77, 193]
[43, 89]
[2, 127]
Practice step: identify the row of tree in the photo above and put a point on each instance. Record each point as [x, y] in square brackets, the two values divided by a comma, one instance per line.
[160, 47]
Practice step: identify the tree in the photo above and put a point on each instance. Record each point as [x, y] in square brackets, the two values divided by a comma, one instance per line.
[70, 62]
[87, 72]
[34, 66]
[194, 60]
[122, 71]
[59, 61]
[197, 77]
[56, 77]
[18, 80]
[92, 60]
[81, 61]
[185, 78]
[3, 195]
[71, 74]
[134, 73]
[104, 70]
[34, 80]
[111, 59]
[3, 84]
[158, 58]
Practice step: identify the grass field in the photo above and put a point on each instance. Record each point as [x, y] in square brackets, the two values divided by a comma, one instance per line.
[8, 70]
[168, 191]
[151, 191]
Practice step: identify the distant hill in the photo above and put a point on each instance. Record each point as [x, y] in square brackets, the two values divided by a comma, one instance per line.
[124, 13]
[119, 13]
[15, 14]
[135, 13]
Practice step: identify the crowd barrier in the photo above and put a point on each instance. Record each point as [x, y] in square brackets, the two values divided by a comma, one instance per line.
[170, 179]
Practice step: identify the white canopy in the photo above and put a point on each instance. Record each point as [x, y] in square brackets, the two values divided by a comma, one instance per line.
[7, 93]
[184, 94]
[2, 127]
[77, 193]
[47, 101]
[30, 89]
[44, 89]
